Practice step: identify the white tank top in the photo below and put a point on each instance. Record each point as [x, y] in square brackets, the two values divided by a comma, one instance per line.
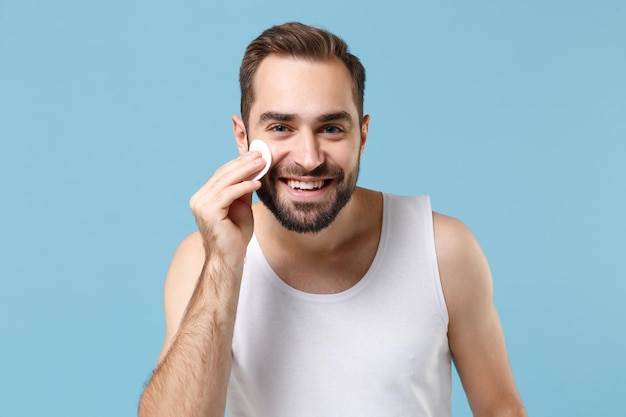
[379, 348]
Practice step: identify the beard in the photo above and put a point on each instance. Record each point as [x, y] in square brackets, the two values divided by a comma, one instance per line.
[308, 217]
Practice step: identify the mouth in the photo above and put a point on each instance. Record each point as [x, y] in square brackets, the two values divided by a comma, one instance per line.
[306, 185]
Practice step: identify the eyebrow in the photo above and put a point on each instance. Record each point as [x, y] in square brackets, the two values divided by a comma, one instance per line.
[275, 116]
[338, 116]
[287, 117]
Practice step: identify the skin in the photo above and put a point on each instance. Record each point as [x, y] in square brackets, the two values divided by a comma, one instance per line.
[202, 285]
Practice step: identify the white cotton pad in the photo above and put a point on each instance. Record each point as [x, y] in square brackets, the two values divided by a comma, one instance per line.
[259, 145]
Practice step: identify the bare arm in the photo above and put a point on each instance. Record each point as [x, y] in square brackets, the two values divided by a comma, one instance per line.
[201, 295]
[475, 334]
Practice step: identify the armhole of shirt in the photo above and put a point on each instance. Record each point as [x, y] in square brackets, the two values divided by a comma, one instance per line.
[430, 233]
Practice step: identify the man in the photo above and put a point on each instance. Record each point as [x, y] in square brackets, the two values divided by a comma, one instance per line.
[323, 298]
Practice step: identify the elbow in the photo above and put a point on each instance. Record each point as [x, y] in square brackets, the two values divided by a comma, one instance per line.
[142, 408]
[507, 410]
[517, 411]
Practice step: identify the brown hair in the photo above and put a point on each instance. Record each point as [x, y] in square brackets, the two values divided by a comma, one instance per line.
[299, 41]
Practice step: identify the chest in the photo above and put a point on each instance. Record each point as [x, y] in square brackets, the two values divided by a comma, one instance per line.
[326, 272]
[383, 339]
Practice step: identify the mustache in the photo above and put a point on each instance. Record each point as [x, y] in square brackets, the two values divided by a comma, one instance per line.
[292, 170]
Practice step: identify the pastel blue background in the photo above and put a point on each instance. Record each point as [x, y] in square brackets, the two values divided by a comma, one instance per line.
[511, 115]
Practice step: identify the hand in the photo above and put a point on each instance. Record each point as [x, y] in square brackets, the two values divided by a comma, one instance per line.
[222, 208]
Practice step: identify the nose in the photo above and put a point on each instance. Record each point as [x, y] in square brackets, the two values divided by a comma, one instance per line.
[307, 152]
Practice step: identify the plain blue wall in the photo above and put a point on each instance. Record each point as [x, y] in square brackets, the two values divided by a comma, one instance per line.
[511, 115]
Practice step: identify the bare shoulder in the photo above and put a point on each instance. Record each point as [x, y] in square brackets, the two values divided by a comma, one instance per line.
[451, 234]
[189, 256]
[463, 267]
[182, 275]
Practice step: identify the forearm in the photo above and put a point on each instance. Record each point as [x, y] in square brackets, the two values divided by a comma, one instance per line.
[193, 377]
[514, 410]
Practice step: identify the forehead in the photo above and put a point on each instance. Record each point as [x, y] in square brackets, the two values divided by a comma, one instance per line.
[301, 86]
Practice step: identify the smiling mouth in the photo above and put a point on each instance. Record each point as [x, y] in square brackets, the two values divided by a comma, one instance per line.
[306, 185]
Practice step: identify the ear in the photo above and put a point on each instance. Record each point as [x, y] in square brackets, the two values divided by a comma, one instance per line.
[365, 125]
[239, 130]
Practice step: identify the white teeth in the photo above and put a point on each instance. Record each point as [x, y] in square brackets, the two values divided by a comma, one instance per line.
[302, 185]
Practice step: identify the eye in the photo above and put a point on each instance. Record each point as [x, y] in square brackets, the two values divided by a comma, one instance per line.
[279, 128]
[332, 130]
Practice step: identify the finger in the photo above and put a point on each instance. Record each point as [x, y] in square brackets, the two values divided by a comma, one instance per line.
[237, 169]
[233, 172]
[219, 203]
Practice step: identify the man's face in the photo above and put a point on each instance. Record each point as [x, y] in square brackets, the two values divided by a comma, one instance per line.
[306, 114]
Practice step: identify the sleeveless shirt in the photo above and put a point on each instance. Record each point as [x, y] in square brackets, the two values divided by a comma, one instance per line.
[379, 348]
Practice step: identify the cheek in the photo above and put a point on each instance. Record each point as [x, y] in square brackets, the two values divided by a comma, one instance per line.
[344, 153]
[338, 154]
[355, 157]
